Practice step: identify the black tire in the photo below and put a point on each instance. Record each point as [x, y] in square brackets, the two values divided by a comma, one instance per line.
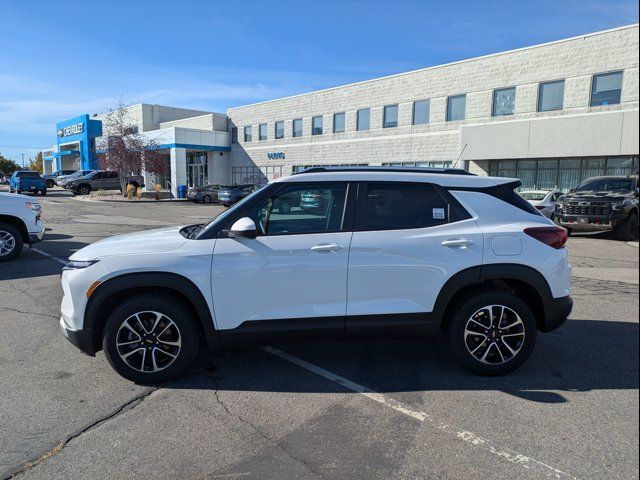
[569, 231]
[170, 308]
[463, 348]
[84, 190]
[43, 192]
[206, 199]
[10, 237]
[50, 183]
[18, 191]
[628, 229]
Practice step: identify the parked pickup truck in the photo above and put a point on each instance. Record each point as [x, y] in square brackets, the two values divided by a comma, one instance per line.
[20, 223]
[51, 178]
[601, 203]
[101, 180]
[27, 181]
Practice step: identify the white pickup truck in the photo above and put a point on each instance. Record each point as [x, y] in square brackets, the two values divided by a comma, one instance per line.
[20, 223]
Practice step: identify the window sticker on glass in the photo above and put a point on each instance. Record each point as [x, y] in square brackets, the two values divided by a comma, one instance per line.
[438, 213]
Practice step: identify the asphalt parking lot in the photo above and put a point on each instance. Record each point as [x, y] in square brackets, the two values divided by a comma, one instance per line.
[320, 410]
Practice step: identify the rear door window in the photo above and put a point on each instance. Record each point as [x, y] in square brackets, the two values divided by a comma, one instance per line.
[402, 205]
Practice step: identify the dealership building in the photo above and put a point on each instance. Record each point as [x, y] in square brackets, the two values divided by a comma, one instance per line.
[550, 114]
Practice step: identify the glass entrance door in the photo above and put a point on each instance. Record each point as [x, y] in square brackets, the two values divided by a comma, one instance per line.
[197, 175]
[197, 169]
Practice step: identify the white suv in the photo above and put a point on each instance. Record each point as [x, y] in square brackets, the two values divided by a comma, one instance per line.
[382, 252]
[20, 223]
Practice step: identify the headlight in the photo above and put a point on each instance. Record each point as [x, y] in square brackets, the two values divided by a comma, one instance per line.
[618, 206]
[78, 264]
[33, 206]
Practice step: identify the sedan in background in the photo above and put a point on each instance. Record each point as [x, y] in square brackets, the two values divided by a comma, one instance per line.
[232, 194]
[204, 194]
[62, 180]
[542, 200]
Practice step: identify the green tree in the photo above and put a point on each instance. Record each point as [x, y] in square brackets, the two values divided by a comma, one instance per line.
[37, 164]
[7, 166]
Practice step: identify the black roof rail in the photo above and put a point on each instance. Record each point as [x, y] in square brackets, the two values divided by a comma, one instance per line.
[447, 171]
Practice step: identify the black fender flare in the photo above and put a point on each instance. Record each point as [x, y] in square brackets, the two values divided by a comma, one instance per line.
[498, 271]
[171, 281]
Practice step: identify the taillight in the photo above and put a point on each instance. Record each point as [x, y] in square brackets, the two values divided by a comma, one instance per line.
[555, 237]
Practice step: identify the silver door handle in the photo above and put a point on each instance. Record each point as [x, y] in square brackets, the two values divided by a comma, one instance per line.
[457, 243]
[327, 247]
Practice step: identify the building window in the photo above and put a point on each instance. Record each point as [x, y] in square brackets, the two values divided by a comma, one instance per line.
[262, 131]
[390, 117]
[316, 125]
[504, 101]
[234, 135]
[296, 129]
[255, 175]
[279, 129]
[421, 112]
[551, 96]
[456, 107]
[561, 174]
[247, 133]
[364, 115]
[338, 122]
[606, 88]
[429, 164]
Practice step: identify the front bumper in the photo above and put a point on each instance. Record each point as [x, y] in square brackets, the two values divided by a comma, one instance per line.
[35, 237]
[556, 311]
[591, 223]
[83, 339]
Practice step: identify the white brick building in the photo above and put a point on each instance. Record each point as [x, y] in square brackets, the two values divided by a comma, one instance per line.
[550, 114]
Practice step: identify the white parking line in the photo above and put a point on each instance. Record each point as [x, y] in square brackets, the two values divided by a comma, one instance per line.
[59, 260]
[535, 466]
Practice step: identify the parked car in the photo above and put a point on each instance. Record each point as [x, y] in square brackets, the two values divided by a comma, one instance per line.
[600, 204]
[411, 255]
[27, 181]
[234, 193]
[205, 194]
[542, 200]
[50, 178]
[62, 180]
[20, 223]
[101, 180]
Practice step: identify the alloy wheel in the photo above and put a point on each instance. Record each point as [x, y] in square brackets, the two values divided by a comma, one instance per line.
[7, 243]
[494, 334]
[148, 341]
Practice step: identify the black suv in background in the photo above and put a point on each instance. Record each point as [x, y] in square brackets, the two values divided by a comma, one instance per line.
[599, 204]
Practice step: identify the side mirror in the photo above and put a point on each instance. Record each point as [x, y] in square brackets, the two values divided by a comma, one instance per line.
[244, 228]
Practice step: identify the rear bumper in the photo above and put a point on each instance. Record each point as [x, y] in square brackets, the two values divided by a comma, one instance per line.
[556, 312]
[83, 339]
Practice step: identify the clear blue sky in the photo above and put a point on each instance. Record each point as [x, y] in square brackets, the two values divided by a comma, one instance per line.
[59, 59]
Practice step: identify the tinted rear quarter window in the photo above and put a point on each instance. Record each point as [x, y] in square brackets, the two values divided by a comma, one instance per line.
[396, 205]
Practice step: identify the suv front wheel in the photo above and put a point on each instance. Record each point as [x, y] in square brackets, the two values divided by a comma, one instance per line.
[150, 338]
[492, 332]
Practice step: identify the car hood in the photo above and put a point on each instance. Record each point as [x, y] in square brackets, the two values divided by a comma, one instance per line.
[591, 195]
[148, 241]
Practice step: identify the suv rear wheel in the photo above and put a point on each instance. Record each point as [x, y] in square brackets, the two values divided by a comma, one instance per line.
[150, 338]
[492, 332]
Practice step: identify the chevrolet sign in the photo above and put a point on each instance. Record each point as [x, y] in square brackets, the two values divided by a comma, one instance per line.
[74, 129]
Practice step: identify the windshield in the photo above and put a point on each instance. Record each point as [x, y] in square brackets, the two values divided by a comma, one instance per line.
[607, 185]
[535, 196]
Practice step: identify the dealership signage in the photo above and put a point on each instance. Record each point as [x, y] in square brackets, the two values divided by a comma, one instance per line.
[276, 156]
[74, 129]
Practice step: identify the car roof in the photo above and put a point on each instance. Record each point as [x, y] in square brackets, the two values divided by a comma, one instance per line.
[409, 175]
[536, 191]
